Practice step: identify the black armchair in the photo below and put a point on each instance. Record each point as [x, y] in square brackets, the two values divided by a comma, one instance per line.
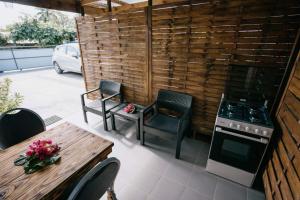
[103, 105]
[19, 124]
[159, 123]
[97, 181]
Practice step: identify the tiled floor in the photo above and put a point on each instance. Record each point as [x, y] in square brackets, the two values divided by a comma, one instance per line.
[152, 172]
[147, 172]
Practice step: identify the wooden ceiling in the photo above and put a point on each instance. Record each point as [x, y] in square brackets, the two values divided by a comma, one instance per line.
[63, 5]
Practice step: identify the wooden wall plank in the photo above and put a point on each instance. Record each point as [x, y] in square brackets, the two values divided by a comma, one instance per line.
[188, 46]
[286, 154]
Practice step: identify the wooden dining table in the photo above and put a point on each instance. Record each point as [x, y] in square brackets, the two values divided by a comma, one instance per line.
[80, 151]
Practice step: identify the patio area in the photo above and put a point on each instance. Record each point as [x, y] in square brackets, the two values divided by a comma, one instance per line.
[147, 172]
[211, 88]
[151, 172]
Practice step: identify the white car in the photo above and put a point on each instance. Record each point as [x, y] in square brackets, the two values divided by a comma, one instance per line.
[66, 57]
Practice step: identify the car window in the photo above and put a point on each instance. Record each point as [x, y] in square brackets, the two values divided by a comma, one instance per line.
[71, 51]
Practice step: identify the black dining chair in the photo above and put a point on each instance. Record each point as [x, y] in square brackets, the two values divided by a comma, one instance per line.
[97, 181]
[103, 105]
[19, 124]
[156, 118]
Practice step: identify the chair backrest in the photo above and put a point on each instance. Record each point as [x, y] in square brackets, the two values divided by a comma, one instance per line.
[109, 87]
[19, 124]
[97, 181]
[175, 101]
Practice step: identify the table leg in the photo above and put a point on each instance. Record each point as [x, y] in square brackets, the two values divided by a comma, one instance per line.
[137, 124]
[111, 194]
[113, 123]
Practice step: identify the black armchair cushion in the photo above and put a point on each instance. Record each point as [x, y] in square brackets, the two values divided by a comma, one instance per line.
[109, 87]
[175, 101]
[163, 122]
[96, 105]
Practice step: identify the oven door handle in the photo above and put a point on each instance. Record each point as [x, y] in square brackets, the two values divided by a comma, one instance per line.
[262, 140]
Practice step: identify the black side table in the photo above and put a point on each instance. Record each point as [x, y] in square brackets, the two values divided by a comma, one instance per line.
[135, 117]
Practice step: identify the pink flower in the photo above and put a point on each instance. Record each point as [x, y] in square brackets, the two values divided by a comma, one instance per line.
[42, 149]
[29, 153]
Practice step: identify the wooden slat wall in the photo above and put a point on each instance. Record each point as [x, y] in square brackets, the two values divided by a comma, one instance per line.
[282, 174]
[114, 48]
[194, 43]
[192, 46]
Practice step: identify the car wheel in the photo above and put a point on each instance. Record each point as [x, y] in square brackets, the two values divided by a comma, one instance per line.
[57, 68]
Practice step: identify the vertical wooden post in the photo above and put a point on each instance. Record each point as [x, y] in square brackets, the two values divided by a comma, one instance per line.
[148, 16]
[109, 5]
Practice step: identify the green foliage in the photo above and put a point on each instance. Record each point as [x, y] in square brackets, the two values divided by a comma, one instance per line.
[3, 40]
[46, 28]
[8, 101]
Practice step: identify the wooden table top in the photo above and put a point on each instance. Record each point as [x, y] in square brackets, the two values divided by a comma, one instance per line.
[80, 151]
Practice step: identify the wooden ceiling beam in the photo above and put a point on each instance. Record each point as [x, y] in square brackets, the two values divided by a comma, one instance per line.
[122, 3]
[89, 2]
[63, 5]
[109, 5]
[144, 4]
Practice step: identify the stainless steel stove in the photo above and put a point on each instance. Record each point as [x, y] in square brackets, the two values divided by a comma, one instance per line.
[241, 136]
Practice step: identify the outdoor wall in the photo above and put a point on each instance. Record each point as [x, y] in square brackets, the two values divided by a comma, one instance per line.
[189, 47]
[113, 47]
[282, 174]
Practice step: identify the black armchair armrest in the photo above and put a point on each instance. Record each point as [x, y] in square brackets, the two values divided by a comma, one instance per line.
[90, 91]
[108, 98]
[82, 95]
[146, 110]
[183, 121]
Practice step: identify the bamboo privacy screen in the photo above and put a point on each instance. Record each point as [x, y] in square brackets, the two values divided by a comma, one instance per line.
[282, 174]
[187, 47]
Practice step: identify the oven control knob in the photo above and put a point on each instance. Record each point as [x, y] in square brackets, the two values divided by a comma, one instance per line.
[256, 131]
[247, 128]
[238, 126]
[230, 124]
[265, 133]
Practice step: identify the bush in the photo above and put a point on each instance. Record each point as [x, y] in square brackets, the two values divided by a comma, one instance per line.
[32, 30]
[3, 40]
[8, 101]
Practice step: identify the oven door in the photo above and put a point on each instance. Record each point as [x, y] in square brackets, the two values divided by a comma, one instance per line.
[237, 149]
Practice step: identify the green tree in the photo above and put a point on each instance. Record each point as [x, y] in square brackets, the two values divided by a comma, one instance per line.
[46, 15]
[30, 29]
[8, 101]
[3, 40]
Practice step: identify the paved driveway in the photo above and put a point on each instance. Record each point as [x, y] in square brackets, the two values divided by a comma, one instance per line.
[48, 93]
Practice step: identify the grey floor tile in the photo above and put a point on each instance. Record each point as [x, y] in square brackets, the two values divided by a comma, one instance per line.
[145, 181]
[132, 192]
[179, 171]
[255, 195]
[203, 182]
[167, 189]
[190, 194]
[229, 190]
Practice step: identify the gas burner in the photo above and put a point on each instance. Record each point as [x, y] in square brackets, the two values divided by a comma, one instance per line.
[254, 110]
[232, 106]
[231, 114]
[254, 118]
